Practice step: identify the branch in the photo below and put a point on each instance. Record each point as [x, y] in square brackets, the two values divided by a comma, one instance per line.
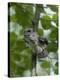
[36, 18]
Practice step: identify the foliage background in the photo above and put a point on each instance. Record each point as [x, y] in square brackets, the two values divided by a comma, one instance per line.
[20, 17]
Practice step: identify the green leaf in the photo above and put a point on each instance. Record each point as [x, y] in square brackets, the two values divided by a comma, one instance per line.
[40, 32]
[52, 47]
[24, 14]
[53, 8]
[46, 22]
[20, 45]
[23, 62]
[56, 70]
[15, 70]
[45, 64]
[54, 35]
[12, 39]
[12, 18]
[27, 58]
[55, 18]
[27, 62]
[56, 64]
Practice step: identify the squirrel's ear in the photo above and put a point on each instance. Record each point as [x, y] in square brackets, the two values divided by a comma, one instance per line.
[43, 41]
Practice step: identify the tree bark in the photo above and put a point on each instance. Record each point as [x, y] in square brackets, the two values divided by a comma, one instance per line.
[35, 21]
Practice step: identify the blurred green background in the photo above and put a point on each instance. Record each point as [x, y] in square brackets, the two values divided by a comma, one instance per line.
[20, 17]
